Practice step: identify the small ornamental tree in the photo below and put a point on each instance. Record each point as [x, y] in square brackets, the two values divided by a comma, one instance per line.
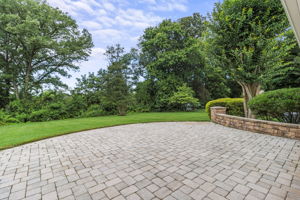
[247, 40]
[184, 99]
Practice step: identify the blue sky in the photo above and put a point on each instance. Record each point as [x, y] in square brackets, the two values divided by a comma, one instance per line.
[122, 21]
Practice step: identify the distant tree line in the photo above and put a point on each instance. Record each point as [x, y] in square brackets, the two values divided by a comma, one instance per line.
[240, 49]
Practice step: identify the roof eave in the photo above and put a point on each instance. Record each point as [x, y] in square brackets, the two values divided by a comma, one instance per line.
[292, 8]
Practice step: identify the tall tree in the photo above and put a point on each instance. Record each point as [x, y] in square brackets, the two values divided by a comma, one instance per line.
[172, 54]
[171, 57]
[117, 88]
[247, 42]
[194, 25]
[38, 44]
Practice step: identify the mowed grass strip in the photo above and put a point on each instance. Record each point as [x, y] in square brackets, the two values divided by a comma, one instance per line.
[17, 134]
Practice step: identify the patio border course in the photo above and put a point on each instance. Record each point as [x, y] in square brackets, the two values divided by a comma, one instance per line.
[219, 116]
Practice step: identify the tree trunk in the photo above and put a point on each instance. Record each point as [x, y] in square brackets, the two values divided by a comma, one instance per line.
[250, 90]
[27, 79]
[7, 79]
[16, 90]
[122, 110]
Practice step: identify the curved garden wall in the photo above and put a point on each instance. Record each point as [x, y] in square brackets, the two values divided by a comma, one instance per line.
[219, 116]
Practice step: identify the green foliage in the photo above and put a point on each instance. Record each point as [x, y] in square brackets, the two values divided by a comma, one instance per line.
[282, 105]
[286, 76]
[94, 111]
[117, 90]
[75, 105]
[173, 54]
[53, 111]
[248, 39]
[110, 88]
[193, 25]
[145, 93]
[6, 118]
[40, 115]
[91, 87]
[171, 57]
[20, 106]
[178, 63]
[184, 99]
[50, 105]
[116, 86]
[38, 44]
[234, 106]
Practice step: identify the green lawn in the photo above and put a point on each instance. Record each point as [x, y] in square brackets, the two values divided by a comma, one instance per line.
[17, 134]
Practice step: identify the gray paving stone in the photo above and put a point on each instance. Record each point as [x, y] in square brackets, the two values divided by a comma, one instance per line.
[133, 197]
[171, 161]
[162, 192]
[145, 194]
[111, 192]
[180, 195]
[242, 189]
[129, 190]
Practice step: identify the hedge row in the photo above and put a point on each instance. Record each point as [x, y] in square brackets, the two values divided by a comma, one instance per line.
[234, 106]
[279, 105]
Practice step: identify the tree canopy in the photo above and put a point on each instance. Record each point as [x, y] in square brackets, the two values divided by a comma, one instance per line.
[248, 40]
[241, 48]
[38, 45]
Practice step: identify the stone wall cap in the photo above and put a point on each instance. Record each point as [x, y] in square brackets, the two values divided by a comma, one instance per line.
[261, 121]
[218, 107]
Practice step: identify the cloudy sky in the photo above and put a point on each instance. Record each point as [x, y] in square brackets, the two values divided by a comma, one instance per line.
[122, 21]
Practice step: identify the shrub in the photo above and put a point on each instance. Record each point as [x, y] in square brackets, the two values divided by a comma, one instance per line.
[94, 111]
[20, 106]
[74, 105]
[6, 118]
[53, 111]
[22, 117]
[184, 99]
[234, 105]
[39, 116]
[282, 105]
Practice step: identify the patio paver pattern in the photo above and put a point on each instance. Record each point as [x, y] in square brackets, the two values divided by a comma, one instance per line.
[172, 161]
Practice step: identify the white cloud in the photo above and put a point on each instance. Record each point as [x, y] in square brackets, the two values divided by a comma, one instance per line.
[90, 25]
[113, 21]
[92, 3]
[109, 15]
[106, 21]
[65, 5]
[136, 18]
[110, 36]
[148, 1]
[170, 5]
[109, 6]
[97, 51]
[166, 5]
[101, 12]
[80, 6]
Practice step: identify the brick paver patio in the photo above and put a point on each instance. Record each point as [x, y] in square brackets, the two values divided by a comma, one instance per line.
[172, 161]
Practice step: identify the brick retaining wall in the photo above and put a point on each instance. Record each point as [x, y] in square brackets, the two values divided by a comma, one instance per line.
[218, 115]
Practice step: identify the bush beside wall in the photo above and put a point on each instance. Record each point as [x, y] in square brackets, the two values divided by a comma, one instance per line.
[234, 105]
[279, 105]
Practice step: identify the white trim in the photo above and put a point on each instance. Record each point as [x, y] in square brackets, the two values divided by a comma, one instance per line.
[292, 8]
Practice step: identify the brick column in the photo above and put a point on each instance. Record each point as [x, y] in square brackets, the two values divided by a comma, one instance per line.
[216, 110]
